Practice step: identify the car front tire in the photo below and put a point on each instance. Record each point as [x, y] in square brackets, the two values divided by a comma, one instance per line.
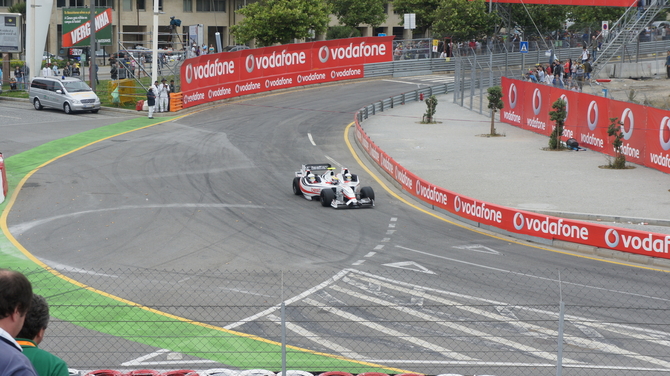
[367, 192]
[67, 108]
[37, 104]
[327, 196]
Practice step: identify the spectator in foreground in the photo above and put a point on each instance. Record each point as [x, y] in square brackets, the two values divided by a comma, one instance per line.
[16, 294]
[32, 334]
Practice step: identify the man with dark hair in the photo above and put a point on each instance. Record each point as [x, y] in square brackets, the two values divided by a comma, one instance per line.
[32, 334]
[16, 294]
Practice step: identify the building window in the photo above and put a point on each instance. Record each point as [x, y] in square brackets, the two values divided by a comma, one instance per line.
[127, 5]
[188, 5]
[141, 5]
[5, 3]
[76, 3]
[104, 3]
[60, 3]
[210, 5]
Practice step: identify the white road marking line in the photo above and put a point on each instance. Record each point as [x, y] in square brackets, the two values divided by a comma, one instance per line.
[300, 296]
[394, 219]
[358, 262]
[143, 360]
[462, 328]
[410, 265]
[530, 329]
[379, 246]
[309, 135]
[318, 339]
[390, 332]
[386, 240]
[404, 82]
[391, 225]
[334, 161]
[370, 254]
[454, 260]
[390, 232]
[477, 248]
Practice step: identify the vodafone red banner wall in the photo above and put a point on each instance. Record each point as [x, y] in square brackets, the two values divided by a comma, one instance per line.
[599, 3]
[570, 98]
[657, 140]
[517, 221]
[633, 129]
[224, 75]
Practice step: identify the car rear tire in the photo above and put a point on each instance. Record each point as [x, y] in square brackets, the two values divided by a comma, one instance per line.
[327, 197]
[367, 192]
[296, 186]
[37, 104]
[67, 108]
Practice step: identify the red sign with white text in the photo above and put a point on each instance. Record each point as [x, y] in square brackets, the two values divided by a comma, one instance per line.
[513, 92]
[570, 98]
[657, 140]
[634, 119]
[592, 122]
[536, 109]
[212, 77]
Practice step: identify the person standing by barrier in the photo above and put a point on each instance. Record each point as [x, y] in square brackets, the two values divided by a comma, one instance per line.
[32, 334]
[163, 90]
[667, 64]
[18, 74]
[151, 101]
[16, 294]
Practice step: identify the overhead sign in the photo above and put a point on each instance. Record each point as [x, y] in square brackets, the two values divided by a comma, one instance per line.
[523, 47]
[10, 32]
[77, 27]
[410, 21]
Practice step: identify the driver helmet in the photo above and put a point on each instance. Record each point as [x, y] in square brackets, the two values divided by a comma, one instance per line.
[335, 180]
[311, 178]
[347, 177]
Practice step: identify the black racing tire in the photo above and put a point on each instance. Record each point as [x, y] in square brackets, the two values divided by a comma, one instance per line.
[367, 192]
[37, 104]
[95, 111]
[327, 197]
[67, 108]
[296, 186]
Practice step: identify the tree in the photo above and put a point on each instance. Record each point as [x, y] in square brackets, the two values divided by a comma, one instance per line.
[425, 10]
[339, 32]
[431, 107]
[495, 104]
[541, 19]
[558, 116]
[586, 17]
[280, 21]
[18, 8]
[464, 19]
[354, 13]
[614, 130]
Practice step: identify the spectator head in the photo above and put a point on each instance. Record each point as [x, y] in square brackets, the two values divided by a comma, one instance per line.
[16, 294]
[37, 320]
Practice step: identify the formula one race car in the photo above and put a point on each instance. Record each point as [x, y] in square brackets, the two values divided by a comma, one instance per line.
[341, 190]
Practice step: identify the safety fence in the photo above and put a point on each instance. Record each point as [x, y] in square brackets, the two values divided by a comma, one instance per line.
[435, 320]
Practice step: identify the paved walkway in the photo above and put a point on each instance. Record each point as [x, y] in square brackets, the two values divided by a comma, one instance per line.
[515, 171]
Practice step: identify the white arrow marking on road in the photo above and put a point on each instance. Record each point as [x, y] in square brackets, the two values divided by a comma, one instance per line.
[477, 248]
[410, 265]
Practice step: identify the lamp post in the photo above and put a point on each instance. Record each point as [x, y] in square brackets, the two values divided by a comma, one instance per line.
[154, 45]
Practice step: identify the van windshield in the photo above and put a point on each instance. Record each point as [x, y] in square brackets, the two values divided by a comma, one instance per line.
[76, 86]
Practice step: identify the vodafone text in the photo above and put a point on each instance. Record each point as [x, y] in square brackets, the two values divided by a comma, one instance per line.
[431, 193]
[220, 92]
[648, 243]
[282, 81]
[193, 97]
[477, 210]
[660, 159]
[281, 59]
[550, 226]
[629, 151]
[213, 69]
[511, 116]
[250, 86]
[311, 77]
[536, 123]
[345, 73]
[591, 139]
[403, 179]
[386, 165]
[355, 51]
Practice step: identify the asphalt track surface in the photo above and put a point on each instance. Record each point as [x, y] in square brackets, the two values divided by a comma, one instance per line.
[210, 193]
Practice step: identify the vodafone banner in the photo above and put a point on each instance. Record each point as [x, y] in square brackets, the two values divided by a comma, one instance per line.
[645, 130]
[224, 75]
[517, 221]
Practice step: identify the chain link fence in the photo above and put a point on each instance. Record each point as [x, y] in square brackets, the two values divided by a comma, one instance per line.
[494, 322]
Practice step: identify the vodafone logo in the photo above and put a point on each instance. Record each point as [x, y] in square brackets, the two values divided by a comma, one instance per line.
[189, 73]
[567, 104]
[664, 133]
[537, 101]
[249, 63]
[592, 120]
[512, 96]
[324, 54]
[627, 118]
[612, 238]
[518, 221]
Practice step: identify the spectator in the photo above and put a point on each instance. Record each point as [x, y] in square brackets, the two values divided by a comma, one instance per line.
[12, 83]
[47, 71]
[32, 334]
[114, 72]
[18, 74]
[67, 70]
[667, 64]
[163, 91]
[55, 69]
[151, 101]
[585, 54]
[16, 294]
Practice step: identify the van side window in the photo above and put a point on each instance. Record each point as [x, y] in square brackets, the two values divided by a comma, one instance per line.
[39, 84]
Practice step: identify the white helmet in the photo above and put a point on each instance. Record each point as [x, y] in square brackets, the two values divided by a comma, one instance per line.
[347, 177]
[311, 178]
[335, 180]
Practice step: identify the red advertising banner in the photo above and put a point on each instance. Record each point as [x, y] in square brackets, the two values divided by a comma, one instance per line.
[513, 92]
[536, 107]
[597, 3]
[229, 74]
[657, 140]
[634, 119]
[592, 122]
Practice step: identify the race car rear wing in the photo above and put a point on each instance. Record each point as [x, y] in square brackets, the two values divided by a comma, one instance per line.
[316, 166]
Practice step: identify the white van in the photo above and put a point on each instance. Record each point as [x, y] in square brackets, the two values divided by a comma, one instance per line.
[66, 93]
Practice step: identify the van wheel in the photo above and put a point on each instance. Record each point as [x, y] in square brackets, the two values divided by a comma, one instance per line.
[67, 108]
[37, 104]
[94, 111]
